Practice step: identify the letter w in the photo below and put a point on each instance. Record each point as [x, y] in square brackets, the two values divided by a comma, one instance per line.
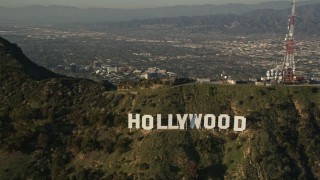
[195, 120]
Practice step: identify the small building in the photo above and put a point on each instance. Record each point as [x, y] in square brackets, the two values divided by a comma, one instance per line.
[152, 69]
[73, 67]
[162, 71]
[112, 69]
[60, 68]
[253, 79]
[145, 75]
[171, 74]
[203, 80]
[137, 72]
[259, 83]
[230, 81]
[96, 64]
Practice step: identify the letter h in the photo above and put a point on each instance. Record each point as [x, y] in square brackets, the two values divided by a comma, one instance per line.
[136, 121]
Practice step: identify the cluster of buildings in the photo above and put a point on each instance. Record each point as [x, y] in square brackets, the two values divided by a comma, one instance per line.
[252, 81]
[155, 72]
[115, 74]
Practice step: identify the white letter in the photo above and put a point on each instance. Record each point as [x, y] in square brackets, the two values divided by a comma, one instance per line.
[224, 121]
[171, 126]
[239, 126]
[136, 121]
[145, 124]
[159, 125]
[195, 120]
[182, 121]
[206, 121]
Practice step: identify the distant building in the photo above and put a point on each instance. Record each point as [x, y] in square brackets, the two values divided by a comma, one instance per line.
[73, 67]
[253, 79]
[259, 83]
[216, 82]
[137, 72]
[145, 75]
[231, 81]
[263, 79]
[203, 80]
[88, 68]
[60, 68]
[154, 73]
[171, 74]
[111, 69]
[152, 70]
[96, 64]
[161, 71]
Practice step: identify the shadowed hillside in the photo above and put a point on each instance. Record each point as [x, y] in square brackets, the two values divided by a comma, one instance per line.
[64, 128]
[13, 60]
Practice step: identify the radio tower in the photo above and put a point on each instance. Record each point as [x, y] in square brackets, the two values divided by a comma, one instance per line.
[288, 65]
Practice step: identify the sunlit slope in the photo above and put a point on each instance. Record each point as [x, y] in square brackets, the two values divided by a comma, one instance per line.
[65, 128]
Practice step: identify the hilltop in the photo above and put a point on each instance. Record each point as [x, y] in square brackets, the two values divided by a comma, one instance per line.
[55, 127]
[13, 60]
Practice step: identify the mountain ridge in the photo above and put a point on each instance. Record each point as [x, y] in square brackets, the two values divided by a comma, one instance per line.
[67, 14]
[257, 21]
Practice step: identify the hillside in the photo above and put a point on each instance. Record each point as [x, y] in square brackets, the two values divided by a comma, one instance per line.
[64, 128]
[13, 60]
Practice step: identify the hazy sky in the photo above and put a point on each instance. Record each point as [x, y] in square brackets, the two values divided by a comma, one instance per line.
[117, 3]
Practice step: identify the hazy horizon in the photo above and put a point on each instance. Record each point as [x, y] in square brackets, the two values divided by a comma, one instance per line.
[122, 4]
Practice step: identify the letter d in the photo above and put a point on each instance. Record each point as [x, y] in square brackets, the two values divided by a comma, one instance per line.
[240, 123]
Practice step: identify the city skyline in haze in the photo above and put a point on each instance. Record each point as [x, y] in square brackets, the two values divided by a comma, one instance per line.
[120, 4]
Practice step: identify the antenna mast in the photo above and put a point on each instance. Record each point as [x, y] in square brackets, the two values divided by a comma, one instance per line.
[288, 65]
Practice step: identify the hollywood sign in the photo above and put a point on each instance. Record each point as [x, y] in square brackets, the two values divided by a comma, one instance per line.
[196, 121]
